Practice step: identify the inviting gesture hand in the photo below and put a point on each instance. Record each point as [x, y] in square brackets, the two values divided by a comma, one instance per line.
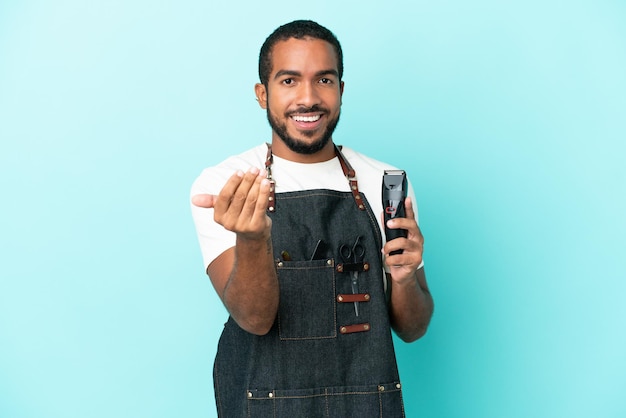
[241, 204]
[244, 276]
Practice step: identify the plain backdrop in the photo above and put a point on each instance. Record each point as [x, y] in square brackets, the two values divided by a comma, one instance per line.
[509, 116]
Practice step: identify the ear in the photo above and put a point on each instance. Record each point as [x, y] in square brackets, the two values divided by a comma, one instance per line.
[261, 95]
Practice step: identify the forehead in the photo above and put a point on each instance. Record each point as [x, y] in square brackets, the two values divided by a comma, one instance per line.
[302, 55]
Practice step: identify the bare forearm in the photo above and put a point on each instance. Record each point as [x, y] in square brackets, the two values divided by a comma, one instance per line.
[411, 307]
[251, 293]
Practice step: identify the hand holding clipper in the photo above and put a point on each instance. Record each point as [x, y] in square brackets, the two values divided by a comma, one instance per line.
[394, 194]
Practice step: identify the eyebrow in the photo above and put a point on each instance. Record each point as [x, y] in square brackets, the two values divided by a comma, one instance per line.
[282, 73]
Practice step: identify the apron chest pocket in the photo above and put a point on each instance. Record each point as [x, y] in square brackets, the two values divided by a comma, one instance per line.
[307, 307]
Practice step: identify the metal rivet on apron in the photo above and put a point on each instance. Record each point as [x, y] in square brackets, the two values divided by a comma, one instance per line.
[249, 394]
[271, 208]
[329, 262]
[398, 385]
[357, 197]
[354, 188]
[339, 298]
[366, 297]
[381, 388]
[271, 198]
[366, 327]
[280, 264]
[271, 395]
[360, 207]
[343, 330]
[366, 266]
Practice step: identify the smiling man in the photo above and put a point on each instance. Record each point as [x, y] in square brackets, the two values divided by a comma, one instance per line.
[302, 97]
[290, 233]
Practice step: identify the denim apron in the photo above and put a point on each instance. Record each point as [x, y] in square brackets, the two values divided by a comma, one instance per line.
[319, 359]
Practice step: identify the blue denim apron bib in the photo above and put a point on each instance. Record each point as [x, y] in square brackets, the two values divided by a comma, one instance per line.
[319, 359]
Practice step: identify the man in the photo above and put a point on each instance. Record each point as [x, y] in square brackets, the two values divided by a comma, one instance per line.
[295, 252]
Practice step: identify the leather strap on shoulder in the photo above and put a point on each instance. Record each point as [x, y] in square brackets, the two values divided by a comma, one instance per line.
[271, 201]
[350, 174]
[347, 169]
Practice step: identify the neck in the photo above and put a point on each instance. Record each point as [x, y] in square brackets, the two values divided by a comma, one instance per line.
[281, 150]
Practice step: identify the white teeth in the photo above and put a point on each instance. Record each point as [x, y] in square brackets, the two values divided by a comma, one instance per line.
[306, 118]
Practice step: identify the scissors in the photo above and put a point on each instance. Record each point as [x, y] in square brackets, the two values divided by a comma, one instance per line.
[353, 255]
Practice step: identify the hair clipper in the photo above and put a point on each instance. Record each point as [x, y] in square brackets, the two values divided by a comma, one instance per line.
[394, 194]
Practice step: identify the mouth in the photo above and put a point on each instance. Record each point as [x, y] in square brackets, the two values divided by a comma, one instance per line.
[307, 121]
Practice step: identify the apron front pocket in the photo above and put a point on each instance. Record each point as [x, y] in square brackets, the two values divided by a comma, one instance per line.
[307, 307]
[383, 401]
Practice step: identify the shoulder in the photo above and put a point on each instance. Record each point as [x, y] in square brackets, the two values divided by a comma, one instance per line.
[360, 160]
[252, 157]
[368, 170]
[211, 179]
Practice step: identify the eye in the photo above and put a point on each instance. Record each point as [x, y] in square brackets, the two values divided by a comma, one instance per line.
[325, 80]
[288, 81]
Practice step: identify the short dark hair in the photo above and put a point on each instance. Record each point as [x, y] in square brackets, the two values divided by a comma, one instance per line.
[298, 29]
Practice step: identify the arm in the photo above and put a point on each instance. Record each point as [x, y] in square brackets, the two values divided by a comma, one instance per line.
[244, 276]
[411, 304]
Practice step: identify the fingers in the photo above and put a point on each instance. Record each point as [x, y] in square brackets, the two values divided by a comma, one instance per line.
[228, 191]
[203, 200]
[249, 205]
[246, 193]
[235, 191]
[402, 266]
[408, 222]
[261, 201]
[240, 206]
[411, 246]
[408, 207]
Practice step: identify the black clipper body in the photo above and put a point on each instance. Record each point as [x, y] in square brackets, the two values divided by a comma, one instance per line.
[394, 194]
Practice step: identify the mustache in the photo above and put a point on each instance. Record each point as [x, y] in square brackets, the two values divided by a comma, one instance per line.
[312, 109]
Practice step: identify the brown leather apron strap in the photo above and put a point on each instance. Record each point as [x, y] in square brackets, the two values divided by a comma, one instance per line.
[269, 159]
[347, 169]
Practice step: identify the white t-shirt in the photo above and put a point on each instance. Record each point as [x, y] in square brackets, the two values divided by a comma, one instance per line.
[289, 177]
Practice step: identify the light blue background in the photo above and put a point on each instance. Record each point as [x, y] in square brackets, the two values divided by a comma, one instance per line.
[509, 117]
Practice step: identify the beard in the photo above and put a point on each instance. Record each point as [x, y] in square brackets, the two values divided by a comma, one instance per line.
[297, 145]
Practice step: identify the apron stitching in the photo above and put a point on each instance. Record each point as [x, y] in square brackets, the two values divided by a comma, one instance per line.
[335, 302]
[218, 397]
[274, 405]
[326, 398]
[325, 337]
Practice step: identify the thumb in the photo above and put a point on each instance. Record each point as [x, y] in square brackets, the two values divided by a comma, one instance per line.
[204, 200]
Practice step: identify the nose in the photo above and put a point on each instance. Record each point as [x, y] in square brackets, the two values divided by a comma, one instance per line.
[308, 96]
